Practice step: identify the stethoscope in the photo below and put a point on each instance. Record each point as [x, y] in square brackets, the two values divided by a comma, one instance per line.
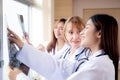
[63, 56]
[67, 51]
[76, 56]
[81, 61]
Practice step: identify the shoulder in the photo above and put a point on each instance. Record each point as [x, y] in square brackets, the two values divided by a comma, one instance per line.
[101, 63]
[97, 68]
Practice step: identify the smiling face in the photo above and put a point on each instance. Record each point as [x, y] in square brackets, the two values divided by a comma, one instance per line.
[90, 38]
[72, 35]
[58, 30]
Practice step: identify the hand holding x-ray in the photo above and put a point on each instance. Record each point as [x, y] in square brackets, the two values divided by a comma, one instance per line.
[13, 50]
[14, 38]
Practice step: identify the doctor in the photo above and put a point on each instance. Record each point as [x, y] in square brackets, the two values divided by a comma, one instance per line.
[101, 36]
[98, 35]
[44, 64]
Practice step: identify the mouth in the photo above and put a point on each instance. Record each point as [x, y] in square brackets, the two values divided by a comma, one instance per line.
[76, 42]
[58, 34]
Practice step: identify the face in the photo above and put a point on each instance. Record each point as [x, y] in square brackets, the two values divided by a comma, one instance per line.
[58, 30]
[89, 36]
[72, 35]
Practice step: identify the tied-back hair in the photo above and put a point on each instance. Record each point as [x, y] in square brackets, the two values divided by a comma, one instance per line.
[52, 43]
[76, 22]
[109, 37]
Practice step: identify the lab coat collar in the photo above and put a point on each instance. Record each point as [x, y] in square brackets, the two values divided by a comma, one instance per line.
[79, 50]
[99, 52]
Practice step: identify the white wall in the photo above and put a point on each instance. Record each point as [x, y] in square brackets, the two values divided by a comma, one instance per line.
[42, 21]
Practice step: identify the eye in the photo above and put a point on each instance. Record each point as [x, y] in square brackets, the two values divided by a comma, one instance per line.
[79, 31]
[86, 27]
[70, 32]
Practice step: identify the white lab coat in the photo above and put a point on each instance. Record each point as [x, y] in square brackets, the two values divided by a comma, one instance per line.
[34, 75]
[41, 62]
[45, 64]
[96, 68]
[57, 54]
[68, 64]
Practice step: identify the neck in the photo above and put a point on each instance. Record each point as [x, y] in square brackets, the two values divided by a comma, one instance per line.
[72, 51]
[95, 49]
[60, 44]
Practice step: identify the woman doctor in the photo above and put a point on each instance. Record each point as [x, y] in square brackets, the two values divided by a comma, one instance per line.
[52, 72]
[98, 35]
[101, 36]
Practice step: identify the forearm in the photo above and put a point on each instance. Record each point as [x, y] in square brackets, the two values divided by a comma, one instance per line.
[39, 61]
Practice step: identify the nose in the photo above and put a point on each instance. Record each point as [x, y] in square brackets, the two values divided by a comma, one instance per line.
[76, 36]
[57, 30]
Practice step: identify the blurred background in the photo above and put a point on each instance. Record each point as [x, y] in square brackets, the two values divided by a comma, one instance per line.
[39, 17]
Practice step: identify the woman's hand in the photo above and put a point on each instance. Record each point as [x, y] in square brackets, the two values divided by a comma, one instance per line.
[41, 47]
[12, 73]
[14, 38]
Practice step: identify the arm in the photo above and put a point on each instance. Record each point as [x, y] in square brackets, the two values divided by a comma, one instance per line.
[41, 62]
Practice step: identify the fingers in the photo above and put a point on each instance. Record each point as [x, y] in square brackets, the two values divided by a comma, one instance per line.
[14, 38]
[11, 38]
[11, 33]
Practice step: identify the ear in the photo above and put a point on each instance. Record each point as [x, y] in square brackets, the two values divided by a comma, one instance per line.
[99, 34]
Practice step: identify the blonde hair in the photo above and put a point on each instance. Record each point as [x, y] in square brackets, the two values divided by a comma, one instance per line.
[76, 21]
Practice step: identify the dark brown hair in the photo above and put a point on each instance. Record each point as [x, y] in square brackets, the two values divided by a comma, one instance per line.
[109, 37]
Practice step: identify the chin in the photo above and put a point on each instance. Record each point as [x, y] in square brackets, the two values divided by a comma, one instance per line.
[82, 44]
